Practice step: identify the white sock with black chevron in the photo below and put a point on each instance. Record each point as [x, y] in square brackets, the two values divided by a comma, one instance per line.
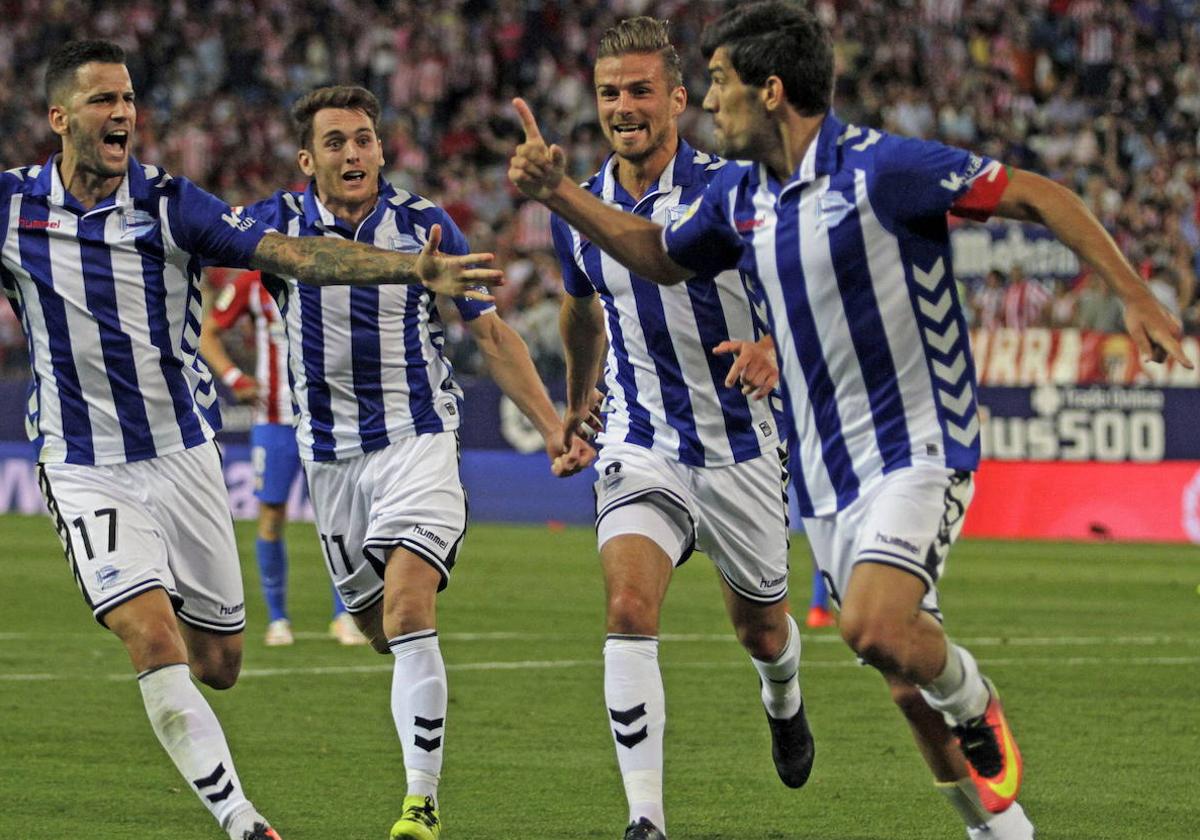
[419, 708]
[781, 677]
[637, 713]
[190, 733]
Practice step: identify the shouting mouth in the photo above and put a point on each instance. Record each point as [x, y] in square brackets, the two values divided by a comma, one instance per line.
[115, 142]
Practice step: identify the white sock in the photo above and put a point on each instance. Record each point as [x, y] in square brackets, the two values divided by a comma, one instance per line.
[781, 677]
[419, 708]
[637, 713]
[190, 733]
[959, 691]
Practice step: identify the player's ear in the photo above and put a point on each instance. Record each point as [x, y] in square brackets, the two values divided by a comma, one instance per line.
[58, 120]
[772, 93]
[678, 101]
[304, 159]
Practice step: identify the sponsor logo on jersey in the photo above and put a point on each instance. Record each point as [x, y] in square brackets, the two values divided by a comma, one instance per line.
[234, 610]
[430, 535]
[898, 542]
[235, 221]
[39, 224]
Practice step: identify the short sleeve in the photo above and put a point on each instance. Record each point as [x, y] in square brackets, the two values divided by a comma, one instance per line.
[923, 179]
[702, 239]
[234, 299]
[211, 230]
[575, 279]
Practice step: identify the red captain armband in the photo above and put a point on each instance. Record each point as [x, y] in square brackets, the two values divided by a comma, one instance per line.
[983, 196]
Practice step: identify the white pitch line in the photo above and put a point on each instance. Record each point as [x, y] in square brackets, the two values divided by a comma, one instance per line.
[807, 638]
[536, 665]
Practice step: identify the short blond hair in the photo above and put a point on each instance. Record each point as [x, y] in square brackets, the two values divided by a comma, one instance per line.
[643, 35]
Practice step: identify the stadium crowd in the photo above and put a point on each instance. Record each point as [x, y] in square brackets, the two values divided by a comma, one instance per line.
[1102, 96]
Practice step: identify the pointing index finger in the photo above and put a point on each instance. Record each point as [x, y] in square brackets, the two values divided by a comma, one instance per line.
[527, 120]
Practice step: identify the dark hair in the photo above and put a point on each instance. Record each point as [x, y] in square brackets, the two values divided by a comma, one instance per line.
[777, 38]
[643, 35]
[60, 72]
[334, 96]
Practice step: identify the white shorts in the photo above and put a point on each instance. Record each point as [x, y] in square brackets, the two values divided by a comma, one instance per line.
[907, 519]
[736, 514]
[407, 494]
[162, 523]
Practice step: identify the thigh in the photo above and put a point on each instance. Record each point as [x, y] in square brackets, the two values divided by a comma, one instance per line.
[743, 525]
[276, 460]
[191, 504]
[114, 547]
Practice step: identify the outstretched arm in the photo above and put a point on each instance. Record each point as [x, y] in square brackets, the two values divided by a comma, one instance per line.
[538, 171]
[326, 260]
[1031, 198]
[507, 359]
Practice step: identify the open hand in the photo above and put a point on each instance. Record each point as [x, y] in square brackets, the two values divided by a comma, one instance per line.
[453, 275]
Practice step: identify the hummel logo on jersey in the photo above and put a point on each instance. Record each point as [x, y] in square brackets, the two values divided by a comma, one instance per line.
[39, 224]
[747, 225]
[237, 222]
[898, 542]
[234, 610]
[429, 535]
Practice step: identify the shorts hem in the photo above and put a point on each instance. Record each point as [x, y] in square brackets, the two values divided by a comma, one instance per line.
[101, 610]
[358, 609]
[912, 568]
[765, 600]
[441, 566]
[211, 627]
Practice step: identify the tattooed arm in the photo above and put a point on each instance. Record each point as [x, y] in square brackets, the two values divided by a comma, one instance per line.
[324, 260]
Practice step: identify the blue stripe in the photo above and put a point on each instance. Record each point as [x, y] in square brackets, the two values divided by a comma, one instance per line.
[100, 290]
[365, 359]
[641, 429]
[35, 258]
[312, 354]
[170, 359]
[677, 402]
[863, 320]
[366, 366]
[803, 326]
[425, 417]
[713, 329]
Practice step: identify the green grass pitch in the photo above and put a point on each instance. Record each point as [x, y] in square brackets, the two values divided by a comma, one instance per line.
[1095, 649]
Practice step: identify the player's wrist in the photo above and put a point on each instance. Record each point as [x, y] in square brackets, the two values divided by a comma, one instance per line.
[231, 375]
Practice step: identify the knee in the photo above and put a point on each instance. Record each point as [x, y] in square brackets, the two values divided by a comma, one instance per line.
[763, 641]
[873, 638]
[218, 668]
[407, 612]
[632, 611]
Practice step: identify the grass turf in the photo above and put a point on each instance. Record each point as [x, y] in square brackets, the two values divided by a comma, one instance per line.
[1093, 646]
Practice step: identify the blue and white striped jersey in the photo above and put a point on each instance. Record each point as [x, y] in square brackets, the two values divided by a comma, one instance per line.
[666, 389]
[853, 257]
[110, 302]
[366, 362]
